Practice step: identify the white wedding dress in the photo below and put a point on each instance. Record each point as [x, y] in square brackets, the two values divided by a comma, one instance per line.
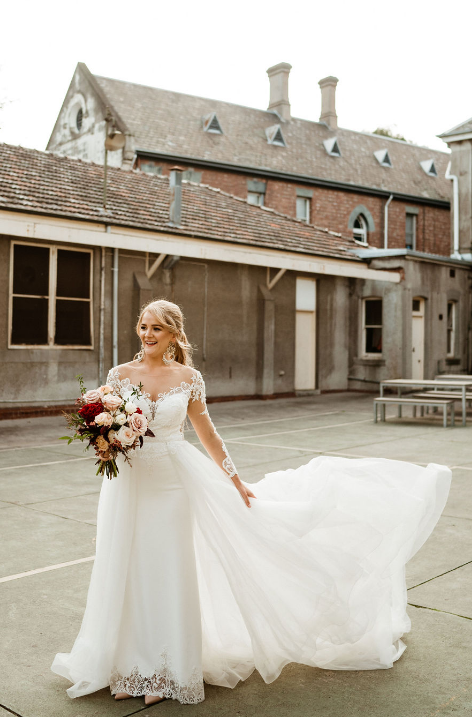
[189, 585]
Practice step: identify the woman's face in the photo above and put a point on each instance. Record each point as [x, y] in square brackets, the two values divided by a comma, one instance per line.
[154, 337]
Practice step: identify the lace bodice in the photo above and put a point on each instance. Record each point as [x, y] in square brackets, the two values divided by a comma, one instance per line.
[166, 415]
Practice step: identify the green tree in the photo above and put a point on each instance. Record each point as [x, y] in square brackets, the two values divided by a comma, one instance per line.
[386, 132]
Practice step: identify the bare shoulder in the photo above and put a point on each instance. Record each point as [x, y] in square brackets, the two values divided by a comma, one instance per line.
[188, 373]
[125, 370]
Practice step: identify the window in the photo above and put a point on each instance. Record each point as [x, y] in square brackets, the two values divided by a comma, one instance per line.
[303, 209]
[360, 230]
[211, 124]
[51, 297]
[79, 119]
[429, 167]
[274, 135]
[383, 158]
[410, 231]
[150, 168]
[255, 198]
[451, 327]
[372, 326]
[332, 147]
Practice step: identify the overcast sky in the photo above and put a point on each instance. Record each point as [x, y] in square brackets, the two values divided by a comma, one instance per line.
[401, 64]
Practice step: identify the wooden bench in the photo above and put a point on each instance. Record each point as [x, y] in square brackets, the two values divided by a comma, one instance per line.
[419, 400]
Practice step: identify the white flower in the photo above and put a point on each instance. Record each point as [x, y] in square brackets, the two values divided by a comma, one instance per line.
[112, 436]
[126, 436]
[103, 419]
[120, 418]
[130, 407]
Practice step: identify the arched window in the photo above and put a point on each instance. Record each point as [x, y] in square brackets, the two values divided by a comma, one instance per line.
[359, 230]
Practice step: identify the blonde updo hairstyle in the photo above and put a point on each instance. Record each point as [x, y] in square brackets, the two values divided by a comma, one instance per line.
[170, 317]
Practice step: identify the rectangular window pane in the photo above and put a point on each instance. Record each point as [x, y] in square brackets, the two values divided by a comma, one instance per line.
[373, 341]
[373, 312]
[302, 209]
[72, 323]
[255, 198]
[450, 310]
[30, 321]
[30, 270]
[73, 274]
[410, 231]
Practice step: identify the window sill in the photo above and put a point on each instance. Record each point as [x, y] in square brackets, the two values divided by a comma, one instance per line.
[369, 361]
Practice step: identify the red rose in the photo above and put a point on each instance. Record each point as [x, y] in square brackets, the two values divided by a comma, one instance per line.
[138, 410]
[90, 410]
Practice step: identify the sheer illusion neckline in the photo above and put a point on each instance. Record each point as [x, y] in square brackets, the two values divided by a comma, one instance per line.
[182, 386]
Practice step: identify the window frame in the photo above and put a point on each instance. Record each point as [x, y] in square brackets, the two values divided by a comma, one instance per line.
[261, 197]
[452, 353]
[52, 297]
[411, 215]
[361, 218]
[306, 202]
[365, 326]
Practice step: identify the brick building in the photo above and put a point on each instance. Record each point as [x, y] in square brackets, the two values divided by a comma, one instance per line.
[274, 305]
[384, 192]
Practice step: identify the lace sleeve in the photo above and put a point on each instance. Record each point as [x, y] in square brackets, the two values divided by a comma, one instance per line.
[206, 431]
[113, 379]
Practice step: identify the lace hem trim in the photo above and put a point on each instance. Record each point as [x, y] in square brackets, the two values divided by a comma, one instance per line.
[162, 683]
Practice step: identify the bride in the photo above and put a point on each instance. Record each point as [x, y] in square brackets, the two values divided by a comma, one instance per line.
[196, 578]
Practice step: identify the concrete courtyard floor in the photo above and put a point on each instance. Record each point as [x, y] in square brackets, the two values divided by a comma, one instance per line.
[48, 499]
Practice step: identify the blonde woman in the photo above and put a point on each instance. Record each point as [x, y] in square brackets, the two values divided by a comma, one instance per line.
[198, 578]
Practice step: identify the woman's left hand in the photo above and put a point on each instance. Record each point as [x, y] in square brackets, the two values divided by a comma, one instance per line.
[244, 492]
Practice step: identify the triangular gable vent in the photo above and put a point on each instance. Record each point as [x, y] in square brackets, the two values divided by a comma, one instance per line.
[274, 135]
[332, 147]
[428, 166]
[382, 156]
[211, 124]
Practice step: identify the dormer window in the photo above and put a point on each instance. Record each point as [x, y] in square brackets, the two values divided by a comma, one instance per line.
[428, 166]
[274, 135]
[79, 119]
[211, 124]
[332, 147]
[359, 231]
[383, 158]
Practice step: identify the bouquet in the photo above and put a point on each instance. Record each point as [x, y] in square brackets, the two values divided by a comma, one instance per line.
[112, 425]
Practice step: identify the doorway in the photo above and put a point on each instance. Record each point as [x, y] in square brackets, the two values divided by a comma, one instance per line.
[305, 335]
[417, 339]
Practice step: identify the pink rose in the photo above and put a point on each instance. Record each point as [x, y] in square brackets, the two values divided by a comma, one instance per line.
[103, 419]
[105, 389]
[93, 396]
[126, 436]
[138, 424]
[111, 401]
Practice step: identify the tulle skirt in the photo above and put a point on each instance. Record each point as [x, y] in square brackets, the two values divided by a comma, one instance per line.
[189, 585]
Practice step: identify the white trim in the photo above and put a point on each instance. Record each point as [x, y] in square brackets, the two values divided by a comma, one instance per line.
[77, 232]
[53, 249]
[365, 353]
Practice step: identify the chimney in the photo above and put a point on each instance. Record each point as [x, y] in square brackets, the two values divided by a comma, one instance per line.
[278, 78]
[328, 101]
[175, 186]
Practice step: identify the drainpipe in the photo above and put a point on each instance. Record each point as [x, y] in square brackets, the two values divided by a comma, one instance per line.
[101, 349]
[386, 222]
[115, 306]
[455, 211]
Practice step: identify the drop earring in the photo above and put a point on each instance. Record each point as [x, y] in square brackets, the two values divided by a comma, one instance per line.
[169, 353]
[140, 355]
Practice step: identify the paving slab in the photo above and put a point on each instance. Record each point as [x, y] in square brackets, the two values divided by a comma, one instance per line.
[30, 485]
[28, 456]
[82, 508]
[421, 449]
[459, 504]
[32, 540]
[451, 592]
[449, 546]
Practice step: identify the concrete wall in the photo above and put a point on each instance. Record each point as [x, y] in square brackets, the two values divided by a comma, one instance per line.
[461, 166]
[226, 320]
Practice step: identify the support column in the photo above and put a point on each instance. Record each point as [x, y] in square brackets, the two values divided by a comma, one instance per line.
[266, 373]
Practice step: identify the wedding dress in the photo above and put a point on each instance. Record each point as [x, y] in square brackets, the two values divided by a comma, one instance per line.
[190, 585]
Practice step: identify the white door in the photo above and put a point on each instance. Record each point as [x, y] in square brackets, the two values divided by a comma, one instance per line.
[417, 339]
[305, 335]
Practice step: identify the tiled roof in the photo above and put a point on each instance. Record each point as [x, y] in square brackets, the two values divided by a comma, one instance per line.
[171, 123]
[46, 183]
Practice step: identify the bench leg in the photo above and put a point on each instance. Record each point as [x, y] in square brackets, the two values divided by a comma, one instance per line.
[414, 411]
[452, 416]
[422, 411]
[383, 412]
[375, 412]
[445, 416]
[399, 410]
